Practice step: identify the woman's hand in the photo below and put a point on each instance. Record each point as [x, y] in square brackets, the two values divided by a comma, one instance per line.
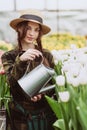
[36, 98]
[30, 54]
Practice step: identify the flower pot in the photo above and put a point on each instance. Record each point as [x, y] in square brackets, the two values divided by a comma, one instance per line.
[2, 119]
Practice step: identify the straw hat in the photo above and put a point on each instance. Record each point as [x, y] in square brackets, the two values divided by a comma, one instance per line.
[33, 16]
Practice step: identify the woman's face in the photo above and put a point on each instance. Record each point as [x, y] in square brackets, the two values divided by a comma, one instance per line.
[32, 33]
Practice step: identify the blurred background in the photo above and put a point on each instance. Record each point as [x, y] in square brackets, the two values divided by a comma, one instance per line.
[63, 16]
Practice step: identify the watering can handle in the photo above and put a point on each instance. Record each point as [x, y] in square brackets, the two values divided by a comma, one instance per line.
[27, 69]
[37, 58]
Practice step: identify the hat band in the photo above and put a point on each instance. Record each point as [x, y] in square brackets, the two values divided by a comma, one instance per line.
[33, 17]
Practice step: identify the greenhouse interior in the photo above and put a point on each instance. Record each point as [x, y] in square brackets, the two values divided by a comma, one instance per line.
[62, 78]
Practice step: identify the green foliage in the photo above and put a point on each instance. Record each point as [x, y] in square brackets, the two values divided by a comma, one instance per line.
[5, 96]
[55, 106]
[58, 68]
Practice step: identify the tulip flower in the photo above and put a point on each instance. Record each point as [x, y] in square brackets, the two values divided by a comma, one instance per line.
[64, 96]
[60, 80]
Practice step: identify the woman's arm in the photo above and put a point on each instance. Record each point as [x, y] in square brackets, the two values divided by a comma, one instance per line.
[13, 65]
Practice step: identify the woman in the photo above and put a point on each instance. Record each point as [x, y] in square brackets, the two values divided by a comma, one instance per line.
[28, 113]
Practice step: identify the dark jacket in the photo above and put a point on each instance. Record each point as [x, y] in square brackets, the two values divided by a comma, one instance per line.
[15, 69]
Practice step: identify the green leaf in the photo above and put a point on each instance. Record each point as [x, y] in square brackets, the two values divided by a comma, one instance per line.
[59, 124]
[73, 114]
[55, 106]
[64, 108]
[5, 95]
[81, 108]
[82, 114]
[58, 68]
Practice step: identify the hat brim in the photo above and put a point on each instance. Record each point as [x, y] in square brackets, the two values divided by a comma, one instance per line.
[15, 22]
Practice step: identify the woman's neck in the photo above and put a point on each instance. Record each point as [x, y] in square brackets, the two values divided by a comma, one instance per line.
[27, 46]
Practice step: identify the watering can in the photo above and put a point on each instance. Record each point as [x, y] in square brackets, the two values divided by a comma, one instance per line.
[35, 80]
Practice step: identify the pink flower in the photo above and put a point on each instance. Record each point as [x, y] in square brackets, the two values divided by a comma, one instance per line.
[2, 71]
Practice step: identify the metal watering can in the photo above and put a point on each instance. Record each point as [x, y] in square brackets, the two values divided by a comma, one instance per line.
[35, 80]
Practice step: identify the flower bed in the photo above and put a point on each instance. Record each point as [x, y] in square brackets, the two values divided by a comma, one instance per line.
[63, 41]
[70, 79]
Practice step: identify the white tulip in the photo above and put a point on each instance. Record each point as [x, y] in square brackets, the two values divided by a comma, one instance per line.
[60, 80]
[64, 58]
[72, 68]
[75, 69]
[65, 67]
[56, 55]
[83, 76]
[55, 61]
[82, 58]
[74, 81]
[64, 96]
